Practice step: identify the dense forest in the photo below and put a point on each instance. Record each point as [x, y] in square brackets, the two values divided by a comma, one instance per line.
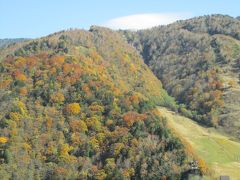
[81, 105]
[198, 62]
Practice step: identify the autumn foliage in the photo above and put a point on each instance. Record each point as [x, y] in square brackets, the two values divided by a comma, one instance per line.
[78, 105]
[57, 97]
[131, 117]
[73, 109]
[3, 140]
[20, 76]
[202, 166]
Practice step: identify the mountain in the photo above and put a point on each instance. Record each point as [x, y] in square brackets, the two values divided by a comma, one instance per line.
[198, 62]
[82, 105]
[6, 42]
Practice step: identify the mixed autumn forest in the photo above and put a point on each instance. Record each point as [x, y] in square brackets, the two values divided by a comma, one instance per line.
[81, 104]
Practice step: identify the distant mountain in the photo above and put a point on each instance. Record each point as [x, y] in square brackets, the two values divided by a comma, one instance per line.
[6, 42]
[82, 105]
[198, 62]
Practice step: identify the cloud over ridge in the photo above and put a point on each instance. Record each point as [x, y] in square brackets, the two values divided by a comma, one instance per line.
[144, 21]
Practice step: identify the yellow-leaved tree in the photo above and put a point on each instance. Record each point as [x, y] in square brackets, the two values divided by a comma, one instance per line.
[3, 140]
[73, 109]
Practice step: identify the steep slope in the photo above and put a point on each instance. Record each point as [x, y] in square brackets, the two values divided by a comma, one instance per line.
[219, 152]
[80, 105]
[198, 62]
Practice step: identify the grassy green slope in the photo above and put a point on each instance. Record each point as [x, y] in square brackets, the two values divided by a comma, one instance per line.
[220, 152]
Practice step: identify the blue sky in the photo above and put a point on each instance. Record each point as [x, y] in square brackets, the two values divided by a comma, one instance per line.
[36, 18]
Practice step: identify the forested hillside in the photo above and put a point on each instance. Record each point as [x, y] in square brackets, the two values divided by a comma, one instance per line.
[198, 62]
[81, 105]
[6, 42]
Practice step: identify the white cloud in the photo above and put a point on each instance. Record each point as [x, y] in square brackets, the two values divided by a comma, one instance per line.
[144, 21]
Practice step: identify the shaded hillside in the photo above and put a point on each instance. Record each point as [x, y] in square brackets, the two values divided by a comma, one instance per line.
[198, 62]
[80, 105]
[6, 42]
